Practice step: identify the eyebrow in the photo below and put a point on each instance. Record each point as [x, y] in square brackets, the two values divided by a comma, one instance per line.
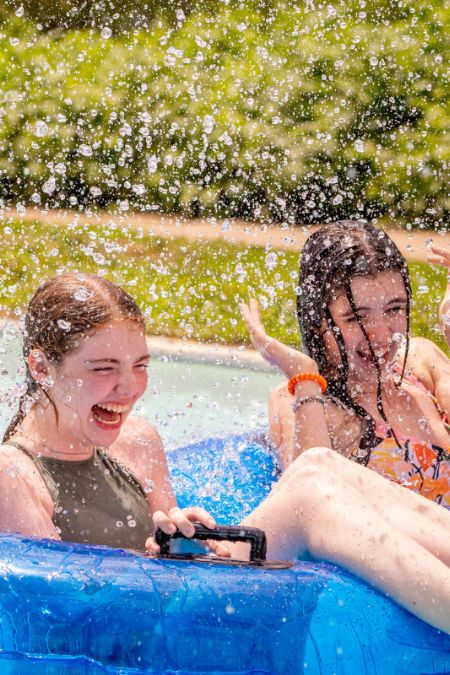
[141, 358]
[401, 300]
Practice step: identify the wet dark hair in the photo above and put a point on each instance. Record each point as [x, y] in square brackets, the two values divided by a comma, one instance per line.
[331, 258]
[61, 313]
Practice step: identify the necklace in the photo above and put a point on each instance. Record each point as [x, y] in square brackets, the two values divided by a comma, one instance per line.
[52, 451]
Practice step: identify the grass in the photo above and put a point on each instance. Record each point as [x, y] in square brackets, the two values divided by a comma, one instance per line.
[186, 289]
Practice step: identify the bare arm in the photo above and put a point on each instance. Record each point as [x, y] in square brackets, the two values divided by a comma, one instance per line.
[438, 366]
[26, 506]
[310, 425]
[441, 256]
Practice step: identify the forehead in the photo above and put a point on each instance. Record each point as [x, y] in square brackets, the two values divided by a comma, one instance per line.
[373, 291]
[116, 340]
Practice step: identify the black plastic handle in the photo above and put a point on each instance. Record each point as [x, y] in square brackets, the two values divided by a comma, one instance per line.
[252, 535]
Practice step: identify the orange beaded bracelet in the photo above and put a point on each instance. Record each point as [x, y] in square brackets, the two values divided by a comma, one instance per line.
[310, 377]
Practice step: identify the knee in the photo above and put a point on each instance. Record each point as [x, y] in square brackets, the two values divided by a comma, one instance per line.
[313, 475]
[314, 459]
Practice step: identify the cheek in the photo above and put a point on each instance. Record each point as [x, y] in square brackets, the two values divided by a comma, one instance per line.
[331, 348]
[94, 388]
[142, 382]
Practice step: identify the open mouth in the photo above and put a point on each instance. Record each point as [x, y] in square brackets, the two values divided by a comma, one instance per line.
[109, 415]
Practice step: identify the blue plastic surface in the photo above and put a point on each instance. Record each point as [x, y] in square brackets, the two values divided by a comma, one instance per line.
[67, 608]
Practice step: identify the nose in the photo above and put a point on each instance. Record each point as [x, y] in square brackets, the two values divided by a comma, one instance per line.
[379, 332]
[126, 384]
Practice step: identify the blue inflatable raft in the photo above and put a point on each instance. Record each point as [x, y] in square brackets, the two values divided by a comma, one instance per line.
[67, 608]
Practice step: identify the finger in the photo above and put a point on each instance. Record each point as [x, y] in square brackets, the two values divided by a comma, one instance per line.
[254, 308]
[179, 521]
[439, 250]
[199, 515]
[151, 546]
[219, 548]
[438, 260]
[164, 522]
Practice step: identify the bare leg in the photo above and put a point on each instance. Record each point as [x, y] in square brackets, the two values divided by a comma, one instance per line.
[423, 520]
[312, 511]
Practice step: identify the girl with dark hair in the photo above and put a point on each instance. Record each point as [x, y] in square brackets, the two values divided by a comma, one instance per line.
[361, 396]
[353, 308]
[73, 465]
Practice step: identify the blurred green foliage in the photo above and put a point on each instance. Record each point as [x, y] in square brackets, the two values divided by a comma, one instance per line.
[186, 289]
[279, 111]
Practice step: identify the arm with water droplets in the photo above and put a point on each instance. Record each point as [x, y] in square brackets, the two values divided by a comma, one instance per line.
[441, 256]
[307, 416]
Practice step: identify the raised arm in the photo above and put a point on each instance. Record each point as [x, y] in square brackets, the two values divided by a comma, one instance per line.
[310, 427]
[441, 256]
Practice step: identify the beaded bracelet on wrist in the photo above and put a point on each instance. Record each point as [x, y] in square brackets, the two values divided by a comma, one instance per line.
[307, 399]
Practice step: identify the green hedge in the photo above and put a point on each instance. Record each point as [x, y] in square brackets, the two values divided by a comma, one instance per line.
[297, 112]
[186, 289]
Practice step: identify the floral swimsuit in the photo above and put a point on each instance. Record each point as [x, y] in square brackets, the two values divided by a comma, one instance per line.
[417, 465]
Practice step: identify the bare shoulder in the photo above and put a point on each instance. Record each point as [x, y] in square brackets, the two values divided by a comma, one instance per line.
[18, 471]
[138, 447]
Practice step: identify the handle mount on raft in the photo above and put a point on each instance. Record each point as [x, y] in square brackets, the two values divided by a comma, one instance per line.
[252, 535]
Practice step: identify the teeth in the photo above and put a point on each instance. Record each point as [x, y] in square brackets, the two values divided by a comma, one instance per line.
[113, 407]
[100, 419]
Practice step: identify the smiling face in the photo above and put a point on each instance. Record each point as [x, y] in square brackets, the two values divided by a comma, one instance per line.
[95, 387]
[381, 303]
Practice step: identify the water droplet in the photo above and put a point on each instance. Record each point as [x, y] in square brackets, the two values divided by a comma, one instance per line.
[359, 145]
[79, 383]
[106, 32]
[83, 294]
[373, 61]
[49, 186]
[149, 485]
[64, 325]
[95, 191]
[131, 523]
[40, 128]
[338, 199]
[119, 523]
[19, 11]
[208, 124]
[423, 423]
[99, 258]
[271, 260]
[398, 338]
[85, 150]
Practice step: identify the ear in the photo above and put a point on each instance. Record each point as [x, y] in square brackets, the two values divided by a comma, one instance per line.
[38, 365]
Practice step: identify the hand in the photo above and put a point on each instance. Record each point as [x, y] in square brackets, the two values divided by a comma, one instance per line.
[441, 256]
[182, 520]
[289, 360]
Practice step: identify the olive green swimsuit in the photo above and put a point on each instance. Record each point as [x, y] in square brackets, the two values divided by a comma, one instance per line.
[96, 500]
